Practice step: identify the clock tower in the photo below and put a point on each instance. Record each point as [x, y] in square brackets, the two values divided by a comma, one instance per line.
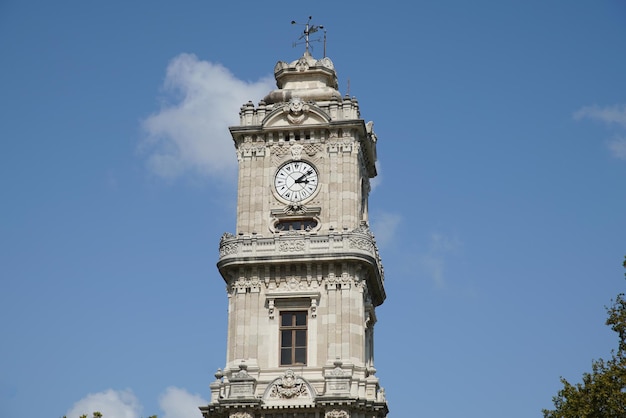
[303, 273]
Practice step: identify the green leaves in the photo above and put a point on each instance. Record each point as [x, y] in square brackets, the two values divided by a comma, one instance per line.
[602, 393]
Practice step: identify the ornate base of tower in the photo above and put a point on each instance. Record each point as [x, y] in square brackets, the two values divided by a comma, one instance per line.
[292, 396]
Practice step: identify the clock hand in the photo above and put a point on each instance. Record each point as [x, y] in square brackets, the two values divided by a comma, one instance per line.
[300, 180]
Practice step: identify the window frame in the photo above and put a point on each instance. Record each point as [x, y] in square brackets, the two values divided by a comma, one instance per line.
[293, 329]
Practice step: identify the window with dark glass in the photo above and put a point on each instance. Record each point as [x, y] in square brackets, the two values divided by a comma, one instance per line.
[296, 224]
[293, 338]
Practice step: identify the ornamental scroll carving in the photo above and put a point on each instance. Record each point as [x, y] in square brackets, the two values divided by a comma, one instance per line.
[337, 413]
[240, 415]
[291, 246]
[365, 241]
[289, 386]
[362, 244]
[228, 249]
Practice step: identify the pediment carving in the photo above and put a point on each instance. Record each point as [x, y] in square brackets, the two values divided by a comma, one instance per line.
[295, 112]
[289, 388]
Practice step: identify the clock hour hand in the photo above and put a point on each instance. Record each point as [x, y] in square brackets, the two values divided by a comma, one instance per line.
[302, 179]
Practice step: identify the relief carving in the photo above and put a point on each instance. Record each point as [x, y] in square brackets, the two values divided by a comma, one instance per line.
[297, 111]
[302, 64]
[339, 282]
[228, 249]
[291, 246]
[337, 413]
[362, 244]
[289, 386]
[280, 151]
[242, 284]
[240, 415]
[312, 149]
[296, 151]
[247, 150]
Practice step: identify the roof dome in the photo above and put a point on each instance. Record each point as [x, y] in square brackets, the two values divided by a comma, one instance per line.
[306, 78]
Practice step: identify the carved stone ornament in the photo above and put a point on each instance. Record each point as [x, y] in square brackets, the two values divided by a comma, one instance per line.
[312, 149]
[337, 413]
[297, 111]
[366, 242]
[291, 246]
[302, 64]
[280, 150]
[337, 371]
[242, 373]
[240, 414]
[296, 151]
[289, 386]
[228, 248]
[362, 244]
[295, 208]
[244, 284]
[226, 235]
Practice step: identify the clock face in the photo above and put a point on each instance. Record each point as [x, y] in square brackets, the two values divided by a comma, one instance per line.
[296, 181]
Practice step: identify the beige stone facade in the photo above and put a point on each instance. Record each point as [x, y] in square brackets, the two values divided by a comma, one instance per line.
[302, 249]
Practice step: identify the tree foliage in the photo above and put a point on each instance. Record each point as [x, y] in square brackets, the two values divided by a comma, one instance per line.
[602, 392]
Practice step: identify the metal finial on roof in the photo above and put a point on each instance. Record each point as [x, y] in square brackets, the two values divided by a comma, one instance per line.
[309, 29]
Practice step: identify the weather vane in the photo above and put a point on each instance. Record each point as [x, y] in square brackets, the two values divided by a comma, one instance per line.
[309, 29]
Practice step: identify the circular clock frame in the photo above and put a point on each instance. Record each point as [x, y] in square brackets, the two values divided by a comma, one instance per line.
[296, 181]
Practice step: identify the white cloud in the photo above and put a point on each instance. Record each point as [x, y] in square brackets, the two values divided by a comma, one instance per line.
[111, 403]
[178, 403]
[433, 265]
[433, 261]
[617, 146]
[384, 227]
[609, 114]
[189, 134]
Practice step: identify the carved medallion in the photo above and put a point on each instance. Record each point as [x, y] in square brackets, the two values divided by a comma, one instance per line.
[289, 386]
[297, 111]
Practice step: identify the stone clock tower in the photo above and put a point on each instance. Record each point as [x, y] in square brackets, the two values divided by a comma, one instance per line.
[302, 272]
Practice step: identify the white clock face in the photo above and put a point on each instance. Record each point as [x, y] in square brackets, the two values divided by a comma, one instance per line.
[296, 181]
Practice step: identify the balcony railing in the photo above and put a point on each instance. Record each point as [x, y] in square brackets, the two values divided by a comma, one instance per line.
[359, 243]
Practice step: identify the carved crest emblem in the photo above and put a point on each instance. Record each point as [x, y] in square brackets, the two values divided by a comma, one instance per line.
[289, 386]
[297, 110]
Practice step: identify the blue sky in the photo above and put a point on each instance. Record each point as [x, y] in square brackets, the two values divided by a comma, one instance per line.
[499, 210]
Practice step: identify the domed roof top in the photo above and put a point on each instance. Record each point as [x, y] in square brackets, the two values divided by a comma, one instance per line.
[306, 78]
